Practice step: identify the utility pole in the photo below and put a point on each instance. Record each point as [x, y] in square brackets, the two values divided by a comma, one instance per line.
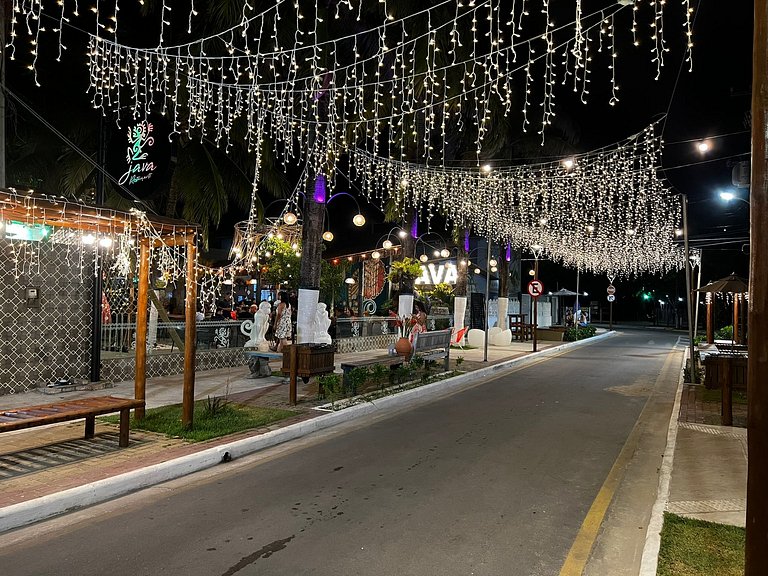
[756, 557]
[689, 301]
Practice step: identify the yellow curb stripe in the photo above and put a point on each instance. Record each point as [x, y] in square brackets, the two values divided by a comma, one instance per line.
[578, 556]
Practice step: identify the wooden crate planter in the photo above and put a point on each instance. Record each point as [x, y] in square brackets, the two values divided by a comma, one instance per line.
[311, 360]
[715, 366]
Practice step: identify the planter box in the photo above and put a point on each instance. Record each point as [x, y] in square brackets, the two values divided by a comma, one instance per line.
[716, 365]
[552, 334]
[311, 360]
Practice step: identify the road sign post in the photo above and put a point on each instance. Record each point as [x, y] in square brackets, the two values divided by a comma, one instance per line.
[535, 289]
[611, 298]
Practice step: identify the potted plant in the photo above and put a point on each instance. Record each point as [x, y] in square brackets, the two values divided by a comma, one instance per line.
[405, 326]
[404, 273]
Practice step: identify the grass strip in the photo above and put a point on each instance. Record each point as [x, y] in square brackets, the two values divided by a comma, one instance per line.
[207, 424]
[698, 548]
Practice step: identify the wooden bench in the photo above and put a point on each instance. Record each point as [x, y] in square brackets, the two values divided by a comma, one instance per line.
[392, 361]
[431, 346]
[88, 408]
[258, 362]
[434, 345]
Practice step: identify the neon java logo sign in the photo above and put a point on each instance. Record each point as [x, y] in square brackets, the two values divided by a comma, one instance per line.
[139, 140]
[438, 274]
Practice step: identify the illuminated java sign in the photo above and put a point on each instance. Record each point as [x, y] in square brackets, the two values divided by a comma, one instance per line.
[437, 274]
[140, 140]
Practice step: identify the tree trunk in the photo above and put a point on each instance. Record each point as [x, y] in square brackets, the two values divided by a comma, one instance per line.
[503, 272]
[408, 243]
[461, 269]
[311, 242]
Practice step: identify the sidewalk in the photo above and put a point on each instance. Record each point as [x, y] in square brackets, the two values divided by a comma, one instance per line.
[709, 476]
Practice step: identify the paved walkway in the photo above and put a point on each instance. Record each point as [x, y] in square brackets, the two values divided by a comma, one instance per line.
[709, 476]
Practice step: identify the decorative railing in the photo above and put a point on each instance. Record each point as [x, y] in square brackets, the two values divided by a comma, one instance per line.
[210, 334]
[351, 334]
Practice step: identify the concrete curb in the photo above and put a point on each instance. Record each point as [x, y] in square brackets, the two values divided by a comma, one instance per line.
[650, 559]
[24, 513]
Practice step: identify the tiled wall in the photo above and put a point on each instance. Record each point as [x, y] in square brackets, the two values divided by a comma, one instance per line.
[40, 344]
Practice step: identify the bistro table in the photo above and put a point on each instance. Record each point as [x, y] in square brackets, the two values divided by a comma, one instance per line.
[518, 326]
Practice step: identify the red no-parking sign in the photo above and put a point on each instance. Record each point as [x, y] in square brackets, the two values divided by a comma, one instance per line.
[535, 288]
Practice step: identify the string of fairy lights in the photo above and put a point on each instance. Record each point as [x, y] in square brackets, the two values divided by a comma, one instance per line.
[606, 211]
[32, 223]
[358, 78]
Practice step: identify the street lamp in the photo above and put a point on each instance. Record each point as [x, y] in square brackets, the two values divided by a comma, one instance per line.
[728, 195]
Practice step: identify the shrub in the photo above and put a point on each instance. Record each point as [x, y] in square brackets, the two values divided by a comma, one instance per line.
[329, 386]
[379, 374]
[356, 379]
[725, 333]
[579, 333]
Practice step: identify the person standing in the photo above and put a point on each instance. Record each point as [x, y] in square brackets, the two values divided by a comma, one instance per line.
[283, 321]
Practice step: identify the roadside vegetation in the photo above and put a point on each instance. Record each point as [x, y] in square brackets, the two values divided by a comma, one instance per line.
[697, 548]
[214, 417]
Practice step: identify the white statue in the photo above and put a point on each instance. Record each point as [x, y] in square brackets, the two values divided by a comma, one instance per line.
[322, 322]
[257, 329]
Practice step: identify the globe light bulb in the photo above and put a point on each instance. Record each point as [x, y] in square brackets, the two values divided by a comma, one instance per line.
[423, 258]
[327, 235]
[402, 233]
[493, 262]
[358, 220]
[444, 253]
[375, 254]
[569, 163]
[290, 218]
[477, 270]
[386, 244]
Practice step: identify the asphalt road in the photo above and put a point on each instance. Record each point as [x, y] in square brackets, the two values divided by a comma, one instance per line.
[493, 480]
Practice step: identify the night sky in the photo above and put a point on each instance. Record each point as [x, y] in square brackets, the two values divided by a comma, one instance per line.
[712, 101]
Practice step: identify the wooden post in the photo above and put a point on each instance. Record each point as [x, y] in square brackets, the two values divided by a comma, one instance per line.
[710, 321]
[736, 326]
[726, 406]
[140, 381]
[756, 550]
[293, 355]
[190, 338]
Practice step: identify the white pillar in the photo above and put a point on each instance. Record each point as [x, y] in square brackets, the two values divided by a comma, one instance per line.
[405, 305]
[459, 310]
[305, 315]
[503, 307]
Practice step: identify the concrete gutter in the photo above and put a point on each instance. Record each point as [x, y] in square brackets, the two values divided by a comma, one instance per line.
[650, 559]
[24, 513]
